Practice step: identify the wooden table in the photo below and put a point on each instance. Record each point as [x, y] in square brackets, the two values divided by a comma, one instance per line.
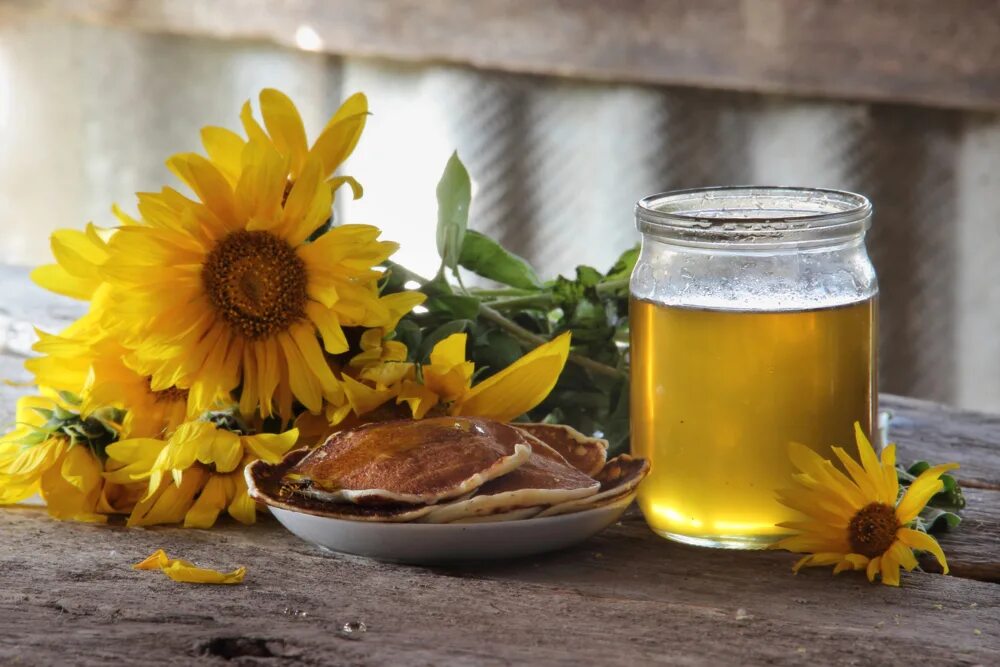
[68, 594]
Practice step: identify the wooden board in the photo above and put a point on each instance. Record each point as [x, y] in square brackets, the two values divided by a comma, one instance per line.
[927, 52]
[67, 594]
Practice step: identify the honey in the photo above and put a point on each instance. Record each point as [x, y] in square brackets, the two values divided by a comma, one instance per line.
[717, 396]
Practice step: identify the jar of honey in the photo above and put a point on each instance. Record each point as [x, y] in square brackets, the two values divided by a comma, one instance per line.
[753, 324]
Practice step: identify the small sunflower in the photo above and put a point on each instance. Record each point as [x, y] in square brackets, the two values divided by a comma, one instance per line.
[229, 292]
[95, 370]
[197, 472]
[58, 453]
[380, 374]
[859, 522]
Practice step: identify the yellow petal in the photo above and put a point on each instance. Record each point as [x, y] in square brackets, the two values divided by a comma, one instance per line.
[224, 148]
[186, 572]
[57, 279]
[519, 387]
[284, 124]
[208, 183]
[210, 502]
[871, 464]
[341, 135]
[873, 567]
[169, 503]
[364, 399]
[921, 490]
[243, 508]
[903, 555]
[339, 181]
[923, 542]
[418, 397]
[890, 569]
[271, 446]
[399, 305]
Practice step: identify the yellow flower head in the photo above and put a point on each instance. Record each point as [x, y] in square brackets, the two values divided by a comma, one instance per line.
[857, 521]
[95, 370]
[54, 451]
[227, 291]
[196, 473]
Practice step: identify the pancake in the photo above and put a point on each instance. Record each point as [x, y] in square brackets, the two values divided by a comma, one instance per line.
[406, 461]
[544, 479]
[513, 515]
[619, 479]
[584, 453]
[265, 484]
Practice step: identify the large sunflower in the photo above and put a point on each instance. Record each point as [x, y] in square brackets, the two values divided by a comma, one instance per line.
[859, 522]
[228, 291]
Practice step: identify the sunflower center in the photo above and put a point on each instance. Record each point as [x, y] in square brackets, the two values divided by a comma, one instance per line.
[168, 395]
[256, 282]
[873, 529]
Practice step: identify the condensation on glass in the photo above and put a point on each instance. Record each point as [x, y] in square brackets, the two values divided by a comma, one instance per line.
[753, 325]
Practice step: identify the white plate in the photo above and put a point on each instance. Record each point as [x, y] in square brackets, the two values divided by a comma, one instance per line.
[437, 542]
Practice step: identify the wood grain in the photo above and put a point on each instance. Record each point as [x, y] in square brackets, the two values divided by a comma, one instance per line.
[926, 52]
[69, 595]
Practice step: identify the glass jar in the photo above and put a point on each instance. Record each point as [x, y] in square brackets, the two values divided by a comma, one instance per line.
[753, 325]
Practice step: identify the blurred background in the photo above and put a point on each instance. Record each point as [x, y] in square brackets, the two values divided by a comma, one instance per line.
[565, 113]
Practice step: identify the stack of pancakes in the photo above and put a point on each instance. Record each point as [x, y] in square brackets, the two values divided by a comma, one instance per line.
[449, 470]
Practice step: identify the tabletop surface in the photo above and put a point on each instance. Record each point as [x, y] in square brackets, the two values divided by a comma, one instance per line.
[68, 594]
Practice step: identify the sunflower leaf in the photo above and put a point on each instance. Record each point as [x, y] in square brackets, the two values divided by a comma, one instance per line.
[454, 193]
[487, 258]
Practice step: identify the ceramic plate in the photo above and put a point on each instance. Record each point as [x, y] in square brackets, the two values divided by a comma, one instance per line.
[438, 542]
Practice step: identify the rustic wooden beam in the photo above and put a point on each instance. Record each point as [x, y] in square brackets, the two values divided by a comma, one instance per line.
[923, 52]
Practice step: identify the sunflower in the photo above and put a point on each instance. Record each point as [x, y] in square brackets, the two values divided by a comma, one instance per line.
[95, 370]
[228, 291]
[286, 134]
[56, 452]
[858, 521]
[197, 472]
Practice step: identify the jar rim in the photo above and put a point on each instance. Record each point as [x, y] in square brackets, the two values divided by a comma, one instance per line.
[754, 214]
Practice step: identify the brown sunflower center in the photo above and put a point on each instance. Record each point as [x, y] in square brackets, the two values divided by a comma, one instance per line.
[168, 395]
[873, 529]
[256, 282]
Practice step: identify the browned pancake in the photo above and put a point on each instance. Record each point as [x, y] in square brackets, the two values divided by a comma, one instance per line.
[544, 479]
[584, 453]
[407, 461]
[265, 484]
[619, 479]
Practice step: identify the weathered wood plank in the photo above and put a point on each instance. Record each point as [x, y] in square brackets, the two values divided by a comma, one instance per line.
[927, 52]
[67, 594]
[938, 433]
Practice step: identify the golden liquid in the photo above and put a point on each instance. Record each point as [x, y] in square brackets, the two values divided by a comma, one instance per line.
[717, 395]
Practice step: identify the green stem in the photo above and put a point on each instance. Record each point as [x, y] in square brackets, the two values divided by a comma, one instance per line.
[611, 286]
[496, 293]
[533, 301]
[526, 336]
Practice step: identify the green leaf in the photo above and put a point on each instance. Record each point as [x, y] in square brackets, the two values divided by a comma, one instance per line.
[454, 305]
[454, 193]
[934, 520]
[487, 258]
[622, 268]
